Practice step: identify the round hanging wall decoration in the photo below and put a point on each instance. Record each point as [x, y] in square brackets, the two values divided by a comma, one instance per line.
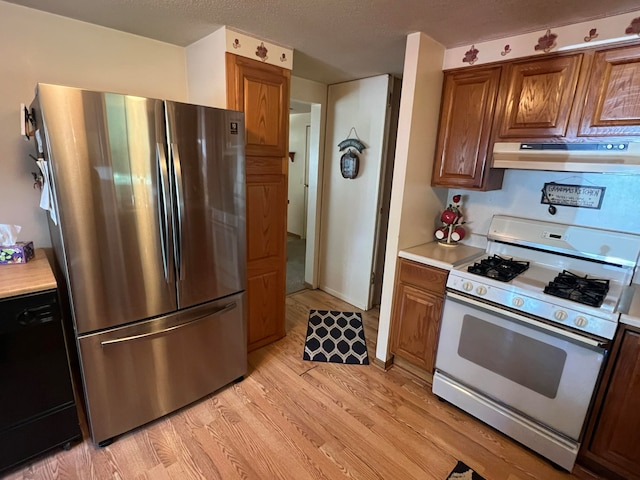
[350, 161]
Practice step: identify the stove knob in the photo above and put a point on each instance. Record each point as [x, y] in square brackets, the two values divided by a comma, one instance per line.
[517, 302]
[481, 290]
[580, 321]
[560, 315]
[467, 286]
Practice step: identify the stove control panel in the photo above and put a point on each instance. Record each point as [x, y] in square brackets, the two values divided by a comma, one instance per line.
[503, 295]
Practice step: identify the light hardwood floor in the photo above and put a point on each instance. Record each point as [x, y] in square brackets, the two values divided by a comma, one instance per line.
[292, 419]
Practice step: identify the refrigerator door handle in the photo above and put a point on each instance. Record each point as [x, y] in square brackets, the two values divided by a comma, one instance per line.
[162, 206]
[177, 170]
[164, 331]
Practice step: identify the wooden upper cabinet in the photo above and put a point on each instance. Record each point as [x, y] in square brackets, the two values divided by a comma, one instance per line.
[262, 92]
[612, 102]
[592, 95]
[466, 116]
[539, 97]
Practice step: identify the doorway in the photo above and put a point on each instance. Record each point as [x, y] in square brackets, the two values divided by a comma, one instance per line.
[312, 97]
[299, 141]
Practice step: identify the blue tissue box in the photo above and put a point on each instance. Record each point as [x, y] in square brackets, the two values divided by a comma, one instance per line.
[21, 252]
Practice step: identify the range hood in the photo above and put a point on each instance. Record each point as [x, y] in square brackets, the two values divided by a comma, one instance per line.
[621, 158]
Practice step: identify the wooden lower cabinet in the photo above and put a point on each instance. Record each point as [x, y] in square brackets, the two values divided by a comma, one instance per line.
[612, 442]
[417, 310]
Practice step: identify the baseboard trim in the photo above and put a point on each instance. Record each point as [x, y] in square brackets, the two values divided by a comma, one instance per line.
[342, 297]
[384, 365]
[413, 370]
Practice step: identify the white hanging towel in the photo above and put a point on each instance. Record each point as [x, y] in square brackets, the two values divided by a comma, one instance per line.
[46, 197]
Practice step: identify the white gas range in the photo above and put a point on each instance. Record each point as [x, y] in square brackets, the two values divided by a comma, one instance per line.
[526, 329]
[595, 257]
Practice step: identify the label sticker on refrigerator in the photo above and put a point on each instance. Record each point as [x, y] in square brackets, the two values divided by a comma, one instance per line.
[233, 128]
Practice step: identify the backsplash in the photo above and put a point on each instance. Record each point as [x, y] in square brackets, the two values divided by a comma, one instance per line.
[521, 196]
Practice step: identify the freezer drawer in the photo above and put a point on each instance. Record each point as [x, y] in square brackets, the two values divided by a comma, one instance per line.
[137, 373]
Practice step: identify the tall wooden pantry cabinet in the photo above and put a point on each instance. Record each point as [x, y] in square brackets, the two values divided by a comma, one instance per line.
[261, 91]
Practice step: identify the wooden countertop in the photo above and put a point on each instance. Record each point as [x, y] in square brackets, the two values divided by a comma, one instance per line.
[441, 256]
[34, 276]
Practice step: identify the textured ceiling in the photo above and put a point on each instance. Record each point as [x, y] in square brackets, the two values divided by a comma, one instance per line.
[336, 40]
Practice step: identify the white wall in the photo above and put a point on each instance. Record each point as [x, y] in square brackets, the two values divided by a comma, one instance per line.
[414, 204]
[40, 47]
[522, 191]
[349, 209]
[316, 94]
[298, 123]
[206, 69]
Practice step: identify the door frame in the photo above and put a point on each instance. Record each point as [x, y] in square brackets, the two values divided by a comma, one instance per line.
[384, 197]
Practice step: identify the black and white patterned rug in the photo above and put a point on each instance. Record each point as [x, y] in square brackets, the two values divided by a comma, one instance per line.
[463, 472]
[336, 337]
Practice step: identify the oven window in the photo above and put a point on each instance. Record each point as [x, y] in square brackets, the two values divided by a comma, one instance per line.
[526, 361]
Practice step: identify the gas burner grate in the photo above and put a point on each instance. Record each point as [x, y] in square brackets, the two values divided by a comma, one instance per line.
[499, 268]
[589, 291]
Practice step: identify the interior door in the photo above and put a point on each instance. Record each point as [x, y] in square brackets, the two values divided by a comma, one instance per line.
[386, 180]
[106, 153]
[350, 207]
[207, 158]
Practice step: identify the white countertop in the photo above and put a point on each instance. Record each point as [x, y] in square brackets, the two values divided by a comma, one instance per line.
[441, 256]
[633, 315]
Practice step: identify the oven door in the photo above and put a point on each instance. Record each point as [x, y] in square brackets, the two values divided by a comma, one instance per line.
[540, 371]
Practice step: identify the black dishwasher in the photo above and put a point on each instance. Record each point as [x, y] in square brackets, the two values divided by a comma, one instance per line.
[37, 405]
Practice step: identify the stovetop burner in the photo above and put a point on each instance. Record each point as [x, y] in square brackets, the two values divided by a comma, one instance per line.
[498, 268]
[589, 291]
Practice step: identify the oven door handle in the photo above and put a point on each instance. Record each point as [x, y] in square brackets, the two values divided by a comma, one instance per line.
[550, 328]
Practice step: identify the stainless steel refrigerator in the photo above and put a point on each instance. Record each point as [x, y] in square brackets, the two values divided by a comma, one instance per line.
[149, 234]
